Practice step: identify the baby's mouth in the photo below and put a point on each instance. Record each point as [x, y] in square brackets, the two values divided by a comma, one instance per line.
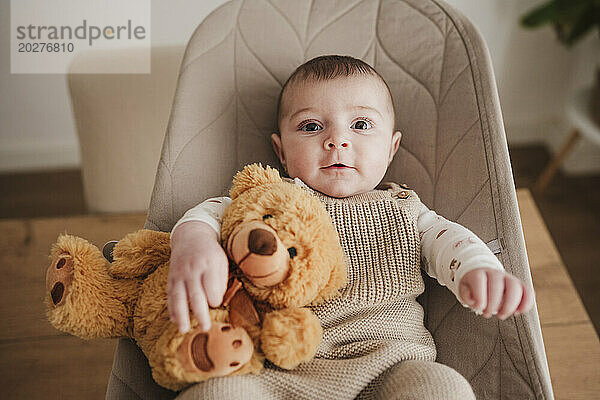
[336, 165]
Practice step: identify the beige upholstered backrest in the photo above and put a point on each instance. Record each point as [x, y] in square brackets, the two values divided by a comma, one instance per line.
[453, 151]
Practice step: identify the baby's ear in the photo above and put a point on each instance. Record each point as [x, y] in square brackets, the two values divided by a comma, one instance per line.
[251, 176]
[396, 137]
[278, 147]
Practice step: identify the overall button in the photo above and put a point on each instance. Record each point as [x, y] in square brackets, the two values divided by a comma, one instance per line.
[402, 194]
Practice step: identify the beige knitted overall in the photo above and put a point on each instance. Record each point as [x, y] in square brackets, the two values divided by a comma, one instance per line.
[372, 326]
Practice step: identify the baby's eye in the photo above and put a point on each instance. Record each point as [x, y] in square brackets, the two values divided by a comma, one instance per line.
[361, 124]
[311, 127]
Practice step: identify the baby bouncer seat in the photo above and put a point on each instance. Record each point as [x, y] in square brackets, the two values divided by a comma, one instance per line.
[453, 152]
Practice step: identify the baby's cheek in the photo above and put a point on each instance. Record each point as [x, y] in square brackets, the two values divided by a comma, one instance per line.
[302, 161]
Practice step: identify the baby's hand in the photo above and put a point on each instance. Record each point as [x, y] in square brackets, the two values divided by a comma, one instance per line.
[493, 291]
[198, 272]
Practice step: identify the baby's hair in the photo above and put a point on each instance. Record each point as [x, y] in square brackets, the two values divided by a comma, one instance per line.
[328, 67]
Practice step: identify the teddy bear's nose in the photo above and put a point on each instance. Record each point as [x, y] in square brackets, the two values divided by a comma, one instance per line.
[261, 241]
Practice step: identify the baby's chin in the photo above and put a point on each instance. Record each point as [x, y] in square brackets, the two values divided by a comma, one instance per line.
[340, 185]
[341, 189]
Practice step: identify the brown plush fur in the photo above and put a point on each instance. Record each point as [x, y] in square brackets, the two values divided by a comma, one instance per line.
[127, 298]
[300, 220]
[283, 331]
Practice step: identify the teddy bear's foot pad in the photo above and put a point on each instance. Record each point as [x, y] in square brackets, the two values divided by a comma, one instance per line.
[59, 277]
[220, 351]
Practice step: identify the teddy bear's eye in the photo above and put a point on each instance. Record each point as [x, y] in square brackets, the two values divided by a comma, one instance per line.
[266, 216]
[293, 252]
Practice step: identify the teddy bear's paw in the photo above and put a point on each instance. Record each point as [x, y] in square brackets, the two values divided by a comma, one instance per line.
[221, 351]
[81, 298]
[59, 277]
[290, 336]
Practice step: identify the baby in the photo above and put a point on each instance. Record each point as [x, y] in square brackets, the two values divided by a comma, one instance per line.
[336, 138]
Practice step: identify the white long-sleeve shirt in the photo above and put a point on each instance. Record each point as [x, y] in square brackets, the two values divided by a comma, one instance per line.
[442, 242]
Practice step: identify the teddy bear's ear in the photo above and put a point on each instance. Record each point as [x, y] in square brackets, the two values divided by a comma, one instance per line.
[251, 176]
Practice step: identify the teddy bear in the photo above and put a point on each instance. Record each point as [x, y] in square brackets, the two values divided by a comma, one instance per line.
[285, 257]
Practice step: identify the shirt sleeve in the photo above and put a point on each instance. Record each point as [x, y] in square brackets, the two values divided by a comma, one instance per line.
[209, 211]
[449, 250]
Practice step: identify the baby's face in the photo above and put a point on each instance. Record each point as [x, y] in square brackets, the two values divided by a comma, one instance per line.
[337, 136]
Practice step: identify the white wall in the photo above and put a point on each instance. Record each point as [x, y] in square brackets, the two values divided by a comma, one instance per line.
[37, 130]
[535, 75]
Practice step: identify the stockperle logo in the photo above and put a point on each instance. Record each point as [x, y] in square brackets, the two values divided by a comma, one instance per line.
[80, 36]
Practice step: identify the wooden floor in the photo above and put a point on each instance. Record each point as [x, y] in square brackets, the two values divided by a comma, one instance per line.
[571, 342]
[570, 207]
[38, 362]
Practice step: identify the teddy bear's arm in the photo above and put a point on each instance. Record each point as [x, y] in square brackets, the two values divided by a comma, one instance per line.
[139, 254]
[290, 336]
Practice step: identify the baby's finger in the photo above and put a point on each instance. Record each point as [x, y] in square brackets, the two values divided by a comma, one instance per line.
[178, 305]
[478, 286]
[198, 303]
[526, 301]
[513, 292]
[215, 284]
[465, 293]
[495, 286]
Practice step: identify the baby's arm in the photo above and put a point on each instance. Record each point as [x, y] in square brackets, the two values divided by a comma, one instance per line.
[198, 265]
[458, 259]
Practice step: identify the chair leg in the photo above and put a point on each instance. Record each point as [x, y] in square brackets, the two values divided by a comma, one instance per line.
[556, 161]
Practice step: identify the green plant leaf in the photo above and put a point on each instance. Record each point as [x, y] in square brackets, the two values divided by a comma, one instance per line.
[544, 14]
[585, 22]
[561, 11]
[571, 19]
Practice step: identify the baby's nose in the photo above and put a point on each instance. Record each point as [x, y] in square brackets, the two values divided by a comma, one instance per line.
[336, 143]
